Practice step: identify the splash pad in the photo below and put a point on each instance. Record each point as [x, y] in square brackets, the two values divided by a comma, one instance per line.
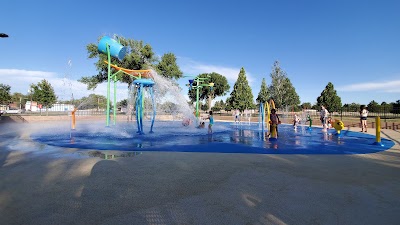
[171, 136]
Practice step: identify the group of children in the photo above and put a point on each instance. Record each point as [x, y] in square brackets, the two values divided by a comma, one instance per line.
[187, 122]
[275, 121]
[325, 120]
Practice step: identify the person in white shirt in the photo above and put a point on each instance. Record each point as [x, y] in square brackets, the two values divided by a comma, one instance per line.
[323, 116]
[237, 116]
[296, 121]
[363, 118]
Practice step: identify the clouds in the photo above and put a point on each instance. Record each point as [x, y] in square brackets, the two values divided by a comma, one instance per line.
[21, 73]
[20, 81]
[194, 68]
[386, 86]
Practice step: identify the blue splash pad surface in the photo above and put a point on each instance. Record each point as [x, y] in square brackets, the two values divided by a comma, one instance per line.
[226, 138]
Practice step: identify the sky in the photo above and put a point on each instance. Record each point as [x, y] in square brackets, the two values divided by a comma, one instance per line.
[353, 44]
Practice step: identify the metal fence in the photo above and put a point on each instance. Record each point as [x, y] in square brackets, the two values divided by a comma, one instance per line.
[383, 113]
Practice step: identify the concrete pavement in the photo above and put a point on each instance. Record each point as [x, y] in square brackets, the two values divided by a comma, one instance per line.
[196, 188]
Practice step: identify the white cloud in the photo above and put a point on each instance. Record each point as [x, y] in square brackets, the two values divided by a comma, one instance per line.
[20, 81]
[387, 86]
[16, 73]
[191, 67]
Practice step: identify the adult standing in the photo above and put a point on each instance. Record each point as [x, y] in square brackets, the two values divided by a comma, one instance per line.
[363, 118]
[324, 116]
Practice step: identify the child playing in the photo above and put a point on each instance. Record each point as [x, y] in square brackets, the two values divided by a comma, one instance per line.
[201, 125]
[211, 118]
[237, 116]
[329, 123]
[296, 121]
[274, 121]
[186, 122]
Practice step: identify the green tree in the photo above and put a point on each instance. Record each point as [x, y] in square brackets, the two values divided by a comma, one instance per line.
[92, 101]
[168, 107]
[385, 107]
[19, 98]
[5, 96]
[330, 99]
[373, 106]
[281, 89]
[222, 104]
[122, 103]
[220, 88]
[291, 98]
[306, 105]
[228, 106]
[168, 68]
[139, 56]
[204, 106]
[44, 94]
[353, 107]
[315, 106]
[263, 94]
[395, 107]
[241, 97]
[218, 106]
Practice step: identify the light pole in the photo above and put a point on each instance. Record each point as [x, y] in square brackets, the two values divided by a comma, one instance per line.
[3, 35]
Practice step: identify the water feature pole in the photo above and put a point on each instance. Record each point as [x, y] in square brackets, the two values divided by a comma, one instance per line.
[113, 48]
[154, 108]
[197, 100]
[108, 84]
[73, 118]
[115, 98]
[199, 80]
[378, 131]
[261, 116]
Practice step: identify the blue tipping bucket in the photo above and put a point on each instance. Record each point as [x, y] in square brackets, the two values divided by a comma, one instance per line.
[116, 49]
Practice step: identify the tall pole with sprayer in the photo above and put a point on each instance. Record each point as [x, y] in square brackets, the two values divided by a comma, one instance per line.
[198, 83]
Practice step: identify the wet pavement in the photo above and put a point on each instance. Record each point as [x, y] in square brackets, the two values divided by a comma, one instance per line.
[44, 184]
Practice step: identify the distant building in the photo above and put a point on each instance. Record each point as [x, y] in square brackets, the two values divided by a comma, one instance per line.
[31, 106]
[3, 107]
[58, 107]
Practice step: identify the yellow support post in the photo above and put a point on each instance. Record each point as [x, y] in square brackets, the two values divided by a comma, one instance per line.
[267, 114]
[378, 131]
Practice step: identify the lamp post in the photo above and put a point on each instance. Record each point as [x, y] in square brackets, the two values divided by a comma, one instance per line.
[3, 35]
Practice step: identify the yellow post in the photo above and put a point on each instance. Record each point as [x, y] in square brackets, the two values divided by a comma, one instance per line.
[267, 114]
[378, 129]
[73, 118]
[273, 131]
